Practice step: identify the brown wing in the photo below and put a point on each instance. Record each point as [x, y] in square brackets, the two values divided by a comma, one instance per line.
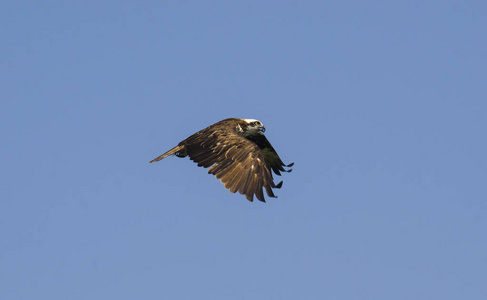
[236, 161]
[270, 155]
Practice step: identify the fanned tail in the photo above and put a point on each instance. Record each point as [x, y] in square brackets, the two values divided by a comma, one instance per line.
[168, 153]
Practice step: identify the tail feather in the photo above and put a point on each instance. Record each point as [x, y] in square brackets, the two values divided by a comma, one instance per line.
[168, 153]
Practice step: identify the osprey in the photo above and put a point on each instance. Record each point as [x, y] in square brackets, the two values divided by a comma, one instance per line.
[238, 153]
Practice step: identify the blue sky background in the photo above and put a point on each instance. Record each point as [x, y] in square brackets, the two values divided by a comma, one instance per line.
[382, 105]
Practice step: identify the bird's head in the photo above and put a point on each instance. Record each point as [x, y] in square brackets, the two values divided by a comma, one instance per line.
[253, 126]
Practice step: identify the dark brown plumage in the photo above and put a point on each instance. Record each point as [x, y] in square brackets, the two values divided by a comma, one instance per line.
[237, 153]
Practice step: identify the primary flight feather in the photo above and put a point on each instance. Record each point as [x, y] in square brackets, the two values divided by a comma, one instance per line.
[238, 153]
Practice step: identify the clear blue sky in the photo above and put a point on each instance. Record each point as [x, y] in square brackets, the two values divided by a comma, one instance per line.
[382, 105]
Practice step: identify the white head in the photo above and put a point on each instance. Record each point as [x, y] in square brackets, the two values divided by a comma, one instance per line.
[251, 120]
[253, 126]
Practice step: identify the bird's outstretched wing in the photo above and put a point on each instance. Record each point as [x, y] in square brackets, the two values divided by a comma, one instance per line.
[270, 155]
[235, 160]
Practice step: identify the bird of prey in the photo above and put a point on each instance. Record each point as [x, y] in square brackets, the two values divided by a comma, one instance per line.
[238, 153]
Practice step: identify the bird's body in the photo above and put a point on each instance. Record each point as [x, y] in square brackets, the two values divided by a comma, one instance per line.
[237, 153]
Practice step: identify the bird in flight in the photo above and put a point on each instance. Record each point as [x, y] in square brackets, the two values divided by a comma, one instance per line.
[238, 153]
